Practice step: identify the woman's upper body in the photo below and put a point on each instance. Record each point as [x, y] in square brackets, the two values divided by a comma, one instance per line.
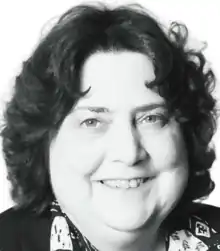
[112, 117]
[20, 230]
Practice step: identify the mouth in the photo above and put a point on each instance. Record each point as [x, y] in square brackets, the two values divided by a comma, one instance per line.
[127, 184]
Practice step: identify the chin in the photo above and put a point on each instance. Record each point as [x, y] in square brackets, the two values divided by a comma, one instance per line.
[131, 223]
[120, 227]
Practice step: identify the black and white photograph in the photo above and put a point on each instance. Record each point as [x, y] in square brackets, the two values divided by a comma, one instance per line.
[110, 135]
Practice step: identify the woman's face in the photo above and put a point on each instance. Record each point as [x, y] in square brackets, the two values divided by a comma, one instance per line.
[114, 139]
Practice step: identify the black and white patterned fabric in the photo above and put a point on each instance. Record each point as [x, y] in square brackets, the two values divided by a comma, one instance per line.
[197, 236]
[64, 235]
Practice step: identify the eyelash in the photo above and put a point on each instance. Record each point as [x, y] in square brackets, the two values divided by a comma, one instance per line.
[89, 120]
[160, 118]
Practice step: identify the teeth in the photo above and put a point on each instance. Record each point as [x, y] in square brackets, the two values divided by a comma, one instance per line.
[135, 183]
[124, 183]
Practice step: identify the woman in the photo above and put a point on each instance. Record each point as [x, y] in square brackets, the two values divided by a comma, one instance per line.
[107, 138]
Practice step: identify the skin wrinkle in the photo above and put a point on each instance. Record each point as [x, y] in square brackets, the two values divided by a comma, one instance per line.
[116, 149]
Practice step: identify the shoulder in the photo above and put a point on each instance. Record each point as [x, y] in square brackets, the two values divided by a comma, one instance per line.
[10, 221]
[209, 213]
[199, 229]
[11, 216]
[21, 230]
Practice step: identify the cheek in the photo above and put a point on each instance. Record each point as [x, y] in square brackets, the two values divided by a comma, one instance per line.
[168, 156]
[73, 154]
[167, 149]
[165, 152]
[171, 186]
[71, 167]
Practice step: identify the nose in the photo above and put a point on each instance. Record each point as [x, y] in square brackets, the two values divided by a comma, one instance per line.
[126, 147]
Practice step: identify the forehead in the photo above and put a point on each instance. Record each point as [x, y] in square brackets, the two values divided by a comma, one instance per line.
[118, 78]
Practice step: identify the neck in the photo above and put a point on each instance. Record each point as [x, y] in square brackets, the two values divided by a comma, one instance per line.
[111, 239]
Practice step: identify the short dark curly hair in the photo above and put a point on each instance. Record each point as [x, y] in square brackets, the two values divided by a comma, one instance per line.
[48, 86]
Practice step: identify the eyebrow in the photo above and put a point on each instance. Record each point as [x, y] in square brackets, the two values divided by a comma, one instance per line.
[142, 108]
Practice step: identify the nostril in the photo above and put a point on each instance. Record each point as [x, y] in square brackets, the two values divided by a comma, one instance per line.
[142, 155]
[138, 162]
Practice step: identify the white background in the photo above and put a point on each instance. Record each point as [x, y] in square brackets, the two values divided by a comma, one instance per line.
[22, 23]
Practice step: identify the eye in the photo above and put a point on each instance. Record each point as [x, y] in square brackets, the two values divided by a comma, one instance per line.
[152, 119]
[91, 122]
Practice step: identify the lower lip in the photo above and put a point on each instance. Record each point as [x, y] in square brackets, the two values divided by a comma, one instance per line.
[142, 185]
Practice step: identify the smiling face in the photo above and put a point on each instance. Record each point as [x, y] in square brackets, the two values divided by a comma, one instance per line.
[115, 137]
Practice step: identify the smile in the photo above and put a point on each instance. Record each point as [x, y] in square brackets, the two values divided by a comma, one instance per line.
[126, 184]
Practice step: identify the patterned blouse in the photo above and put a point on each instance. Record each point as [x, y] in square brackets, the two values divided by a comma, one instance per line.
[197, 236]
